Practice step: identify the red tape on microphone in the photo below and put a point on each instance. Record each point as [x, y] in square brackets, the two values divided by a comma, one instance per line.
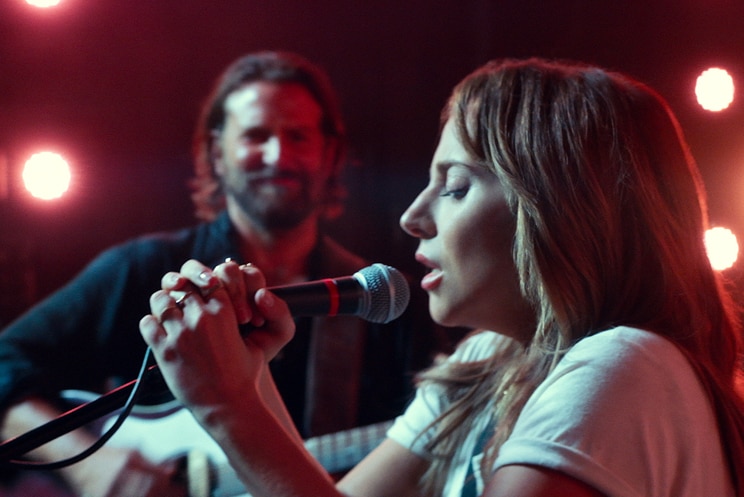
[334, 298]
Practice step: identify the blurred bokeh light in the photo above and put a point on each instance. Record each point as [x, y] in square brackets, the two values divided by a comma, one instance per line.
[46, 175]
[722, 247]
[714, 89]
[43, 3]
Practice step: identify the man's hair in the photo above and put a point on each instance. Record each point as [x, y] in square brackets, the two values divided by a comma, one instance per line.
[276, 67]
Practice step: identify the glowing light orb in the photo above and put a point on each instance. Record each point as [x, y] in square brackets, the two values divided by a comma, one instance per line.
[43, 3]
[722, 247]
[46, 175]
[714, 89]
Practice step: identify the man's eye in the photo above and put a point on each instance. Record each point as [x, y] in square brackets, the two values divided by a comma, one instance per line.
[298, 136]
[256, 136]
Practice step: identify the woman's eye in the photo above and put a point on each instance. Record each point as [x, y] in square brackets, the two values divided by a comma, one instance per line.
[456, 193]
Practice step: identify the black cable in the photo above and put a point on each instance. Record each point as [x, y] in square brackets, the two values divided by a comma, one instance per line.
[131, 401]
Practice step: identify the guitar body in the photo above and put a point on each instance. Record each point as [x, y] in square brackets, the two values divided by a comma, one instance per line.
[169, 431]
[34, 484]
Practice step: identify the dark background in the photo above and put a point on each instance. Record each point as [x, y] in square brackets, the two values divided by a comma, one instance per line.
[115, 86]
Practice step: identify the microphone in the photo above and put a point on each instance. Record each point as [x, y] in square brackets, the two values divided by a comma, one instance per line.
[376, 293]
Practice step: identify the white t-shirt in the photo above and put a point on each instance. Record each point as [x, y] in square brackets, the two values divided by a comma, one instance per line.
[623, 412]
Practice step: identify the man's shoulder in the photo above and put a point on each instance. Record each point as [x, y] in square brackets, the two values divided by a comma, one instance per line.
[198, 240]
[164, 249]
[152, 243]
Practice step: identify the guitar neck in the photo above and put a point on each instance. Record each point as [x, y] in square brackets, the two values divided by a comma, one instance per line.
[340, 451]
[336, 452]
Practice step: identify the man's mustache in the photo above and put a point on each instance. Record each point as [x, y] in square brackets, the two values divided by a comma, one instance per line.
[274, 176]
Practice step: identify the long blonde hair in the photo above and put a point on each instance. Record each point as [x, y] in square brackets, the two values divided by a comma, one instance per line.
[610, 213]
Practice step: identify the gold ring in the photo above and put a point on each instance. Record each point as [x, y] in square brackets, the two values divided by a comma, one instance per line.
[207, 292]
[181, 301]
[163, 314]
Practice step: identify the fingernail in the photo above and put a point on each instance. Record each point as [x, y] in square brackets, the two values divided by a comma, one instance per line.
[209, 278]
[268, 299]
[210, 285]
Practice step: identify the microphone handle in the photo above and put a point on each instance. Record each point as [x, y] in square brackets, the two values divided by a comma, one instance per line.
[327, 297]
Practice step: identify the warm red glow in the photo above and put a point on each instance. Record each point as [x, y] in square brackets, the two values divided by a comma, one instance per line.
[722, 247]
[43, 3]
[46, 175]
[714, 89]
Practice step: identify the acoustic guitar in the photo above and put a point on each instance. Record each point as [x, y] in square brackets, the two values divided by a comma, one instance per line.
[169, 431]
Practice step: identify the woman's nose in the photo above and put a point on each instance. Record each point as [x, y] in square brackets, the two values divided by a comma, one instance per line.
[417, 220]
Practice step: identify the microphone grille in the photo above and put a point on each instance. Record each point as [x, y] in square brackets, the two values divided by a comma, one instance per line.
[388, 293]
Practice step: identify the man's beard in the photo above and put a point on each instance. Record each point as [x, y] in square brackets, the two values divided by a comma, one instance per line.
[273, 213]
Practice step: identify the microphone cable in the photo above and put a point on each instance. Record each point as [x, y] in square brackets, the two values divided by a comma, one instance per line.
[127, 409]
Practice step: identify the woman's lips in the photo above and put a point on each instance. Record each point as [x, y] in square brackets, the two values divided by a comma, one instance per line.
[431, 280]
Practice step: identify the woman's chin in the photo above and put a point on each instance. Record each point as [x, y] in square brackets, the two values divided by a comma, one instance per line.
[443, 316]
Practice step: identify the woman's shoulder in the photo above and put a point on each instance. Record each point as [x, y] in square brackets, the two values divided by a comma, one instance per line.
[624, 344]
[623, 405]
[631, 376]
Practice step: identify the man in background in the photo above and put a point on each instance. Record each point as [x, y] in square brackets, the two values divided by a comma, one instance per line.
[269, 152]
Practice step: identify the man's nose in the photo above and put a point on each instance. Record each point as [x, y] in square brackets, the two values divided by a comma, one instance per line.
[274, 151]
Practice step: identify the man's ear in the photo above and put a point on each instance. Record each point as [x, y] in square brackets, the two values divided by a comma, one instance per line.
[215, 152]
[332, 155]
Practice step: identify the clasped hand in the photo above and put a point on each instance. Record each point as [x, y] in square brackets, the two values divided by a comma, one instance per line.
[193, 333]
